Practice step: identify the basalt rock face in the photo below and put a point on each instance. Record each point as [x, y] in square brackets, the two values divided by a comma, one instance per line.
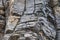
[29, 19]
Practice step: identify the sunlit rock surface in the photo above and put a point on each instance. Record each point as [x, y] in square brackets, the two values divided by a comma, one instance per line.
[11, 23]
[18, 6]
[29, 19]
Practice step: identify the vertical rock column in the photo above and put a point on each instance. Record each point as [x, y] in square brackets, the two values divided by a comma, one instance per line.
[56, 7]
[11, 17]
[45, 19]
[2, 20]
[34, 15]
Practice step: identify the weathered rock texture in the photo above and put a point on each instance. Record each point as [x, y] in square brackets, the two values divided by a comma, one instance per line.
[30, 19]
[2, 20]
[57, 15]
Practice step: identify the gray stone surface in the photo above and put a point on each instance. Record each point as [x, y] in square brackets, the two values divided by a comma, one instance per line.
[58, 35]
[26, 25]
[33, 20]
[1, 6]
[18, 6]
[11, 23]
[29, 19]
[1, 12]
[57, 15]
[29, 6]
